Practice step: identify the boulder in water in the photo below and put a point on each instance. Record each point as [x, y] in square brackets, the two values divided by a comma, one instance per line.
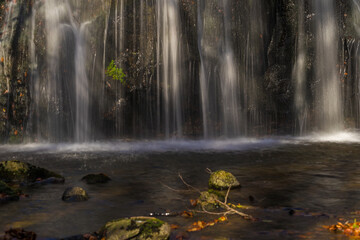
[96, 178]
[8, 193]
[20, 172]
[75, 194]
[140, 228]
[223, 180]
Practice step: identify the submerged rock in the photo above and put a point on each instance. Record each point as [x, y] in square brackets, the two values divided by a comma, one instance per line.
[139, 228]
[208, 200]
[96, 178]
[20, 172]
[18, 234]
[75, 194]
[222, 180]
[8, 193]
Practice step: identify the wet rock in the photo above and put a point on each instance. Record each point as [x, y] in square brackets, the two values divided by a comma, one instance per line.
[18, 234]
[96, 178]
[8, 193]
[208, 201]
[139, 228]
[75, 194]
[222, 180]
[20, 172]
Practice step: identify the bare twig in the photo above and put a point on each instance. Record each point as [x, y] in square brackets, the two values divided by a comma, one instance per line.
[188, 185]
[243, 215]
[208, 170]
[227, 195]
[176, 190]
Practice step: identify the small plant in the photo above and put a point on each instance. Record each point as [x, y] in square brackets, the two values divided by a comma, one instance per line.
[115, 73]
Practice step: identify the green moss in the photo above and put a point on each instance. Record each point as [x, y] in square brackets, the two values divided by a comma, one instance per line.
[7, 190]
[218, 193]
[16, 171]
[150, 227]
[222, 180]
[140, 228]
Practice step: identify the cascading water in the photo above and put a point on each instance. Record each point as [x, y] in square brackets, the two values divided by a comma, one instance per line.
[169, 36]
[218, 75]
[328, 103]
[213, 67]
[64, 94]
[229, 81]
[299, 74]
[82, 124]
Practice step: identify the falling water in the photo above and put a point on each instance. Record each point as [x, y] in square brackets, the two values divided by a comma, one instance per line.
[219, 85]
[168, 18]
[328, 106]
[82, 133]
[229, 83]
[299, 74]
[67, 83]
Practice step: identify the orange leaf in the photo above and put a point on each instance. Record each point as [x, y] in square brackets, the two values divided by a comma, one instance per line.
[187, 214]
[174, 226]
[193, 202]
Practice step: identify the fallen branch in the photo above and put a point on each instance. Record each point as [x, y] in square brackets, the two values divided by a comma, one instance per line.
[188, 185]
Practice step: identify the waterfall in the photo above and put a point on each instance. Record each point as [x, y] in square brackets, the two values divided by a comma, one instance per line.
[229, 81]
[169, 35]
[67, 87]
[299, 75]
[82, 124]
[328, 105]
[219, 80]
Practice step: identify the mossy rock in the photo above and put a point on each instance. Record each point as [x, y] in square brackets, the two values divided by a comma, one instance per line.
[139, 228]
[75, 194]
[222, 180]
[208, 201]
[8, 193]
[16, 171]
[96, 178]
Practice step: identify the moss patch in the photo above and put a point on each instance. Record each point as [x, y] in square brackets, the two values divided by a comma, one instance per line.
[16, 171]
[140, 228]
[8, 193]
[222, 180]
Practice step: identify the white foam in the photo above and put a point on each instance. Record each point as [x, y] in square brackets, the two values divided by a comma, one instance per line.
[161, 146]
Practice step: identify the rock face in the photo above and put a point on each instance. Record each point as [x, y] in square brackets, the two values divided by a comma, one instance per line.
[75, 194]
[140, 228]
[20, 172]
[222, 180]
[96, 178]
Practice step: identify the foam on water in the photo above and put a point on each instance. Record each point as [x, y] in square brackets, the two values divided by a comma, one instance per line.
[160, 146]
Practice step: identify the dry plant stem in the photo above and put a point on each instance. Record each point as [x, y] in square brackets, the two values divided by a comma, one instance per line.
[177, 190]
[227, 195]
[243, 215]
[188, 185]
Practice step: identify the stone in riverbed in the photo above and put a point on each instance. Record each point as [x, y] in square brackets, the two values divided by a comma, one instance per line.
[20, 172]
[8, 193]
[75, 194]
[208, 200]
[96, 178]
[222, 180]
[139, 228]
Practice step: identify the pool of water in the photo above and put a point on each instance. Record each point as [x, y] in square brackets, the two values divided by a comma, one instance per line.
[317, 176]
